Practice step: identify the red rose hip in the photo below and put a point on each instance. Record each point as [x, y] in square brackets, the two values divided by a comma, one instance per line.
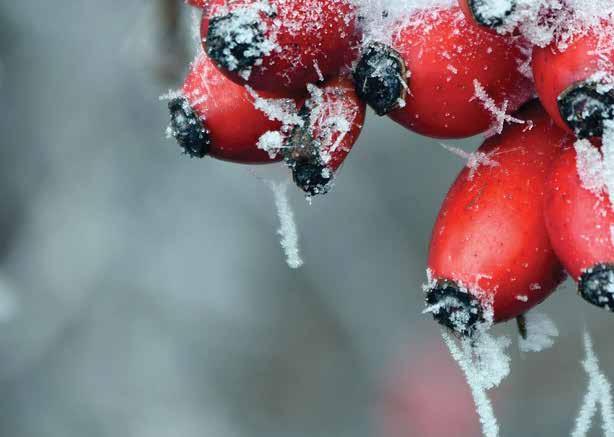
[490, 258]
[576, 85]
[217, 117]
[426, 80]
[580, 222]
[280, 45]
[332, 121]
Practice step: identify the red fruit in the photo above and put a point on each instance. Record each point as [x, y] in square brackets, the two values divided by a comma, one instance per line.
[281, 45]
[217, 117]
[332, 121]
[447, 59]
[576, 85]
[489, 248]
[490, 14]
[580, 223]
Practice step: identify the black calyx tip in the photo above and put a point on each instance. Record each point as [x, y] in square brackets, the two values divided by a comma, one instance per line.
[491, 13]
[596, 286]
[234, 42]
[380, 78]
[454, 308]
[302, 155]
[311, 177]
[188, 129]
[585, 107]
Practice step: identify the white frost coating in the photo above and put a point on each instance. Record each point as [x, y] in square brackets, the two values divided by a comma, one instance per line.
[589, 166]
[271, 142]
[500, 115]
[287, 230]
[542, 22]
[316, 66]
[484, 365]
[595, 168]
[608, 158]
[497, 8]
[170, 95]
[599, 392]
[283, 110]
[381, 17]
[241, 31]
[474, 160]
[541, 332]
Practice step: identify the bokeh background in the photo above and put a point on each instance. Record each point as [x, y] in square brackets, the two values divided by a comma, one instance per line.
[144, 294]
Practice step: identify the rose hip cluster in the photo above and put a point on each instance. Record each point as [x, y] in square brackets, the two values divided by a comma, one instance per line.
[290, 80]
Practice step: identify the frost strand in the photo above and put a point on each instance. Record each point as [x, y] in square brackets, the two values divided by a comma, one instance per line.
[599, 392]
[463, 356]
[287, 229]
[474, 160]
[500, 115]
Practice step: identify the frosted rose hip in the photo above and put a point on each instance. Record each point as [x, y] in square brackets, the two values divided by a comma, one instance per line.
[426, 80]
[489, 249]
[217, 117]
[280, 45]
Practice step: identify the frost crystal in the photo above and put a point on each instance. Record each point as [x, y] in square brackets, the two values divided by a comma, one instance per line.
[283, 110]
[485, 365]
[608, 157]
[541, 332]
[239, 36]
[271, 142]
[589, 166]
[474, 160]
[500, 114]
[595, 168]
[599, 392]
[287, 230]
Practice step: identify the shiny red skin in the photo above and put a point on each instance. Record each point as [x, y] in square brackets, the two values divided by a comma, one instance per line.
[338, 99]
[555, 71]
[440, 103]
[309, 32]
[578, 221]
[196, 3]
[490, 231]
[234, 125]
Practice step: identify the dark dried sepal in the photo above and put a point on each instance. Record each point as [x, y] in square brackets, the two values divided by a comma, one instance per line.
[380, 78]
[585, 109]
[596, 286]
[234, 43]
[456, 309]
[484, 15]
[312, 178]
[188, 129]
[302, 155]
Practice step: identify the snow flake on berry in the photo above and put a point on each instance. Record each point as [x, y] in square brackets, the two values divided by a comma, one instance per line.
[499, 114]
[474, 159]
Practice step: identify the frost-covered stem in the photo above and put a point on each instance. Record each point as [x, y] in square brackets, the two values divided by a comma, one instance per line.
[287, 230]
[490, 427]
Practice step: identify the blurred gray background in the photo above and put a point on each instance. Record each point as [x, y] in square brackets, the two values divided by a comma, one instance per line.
[145, 294]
